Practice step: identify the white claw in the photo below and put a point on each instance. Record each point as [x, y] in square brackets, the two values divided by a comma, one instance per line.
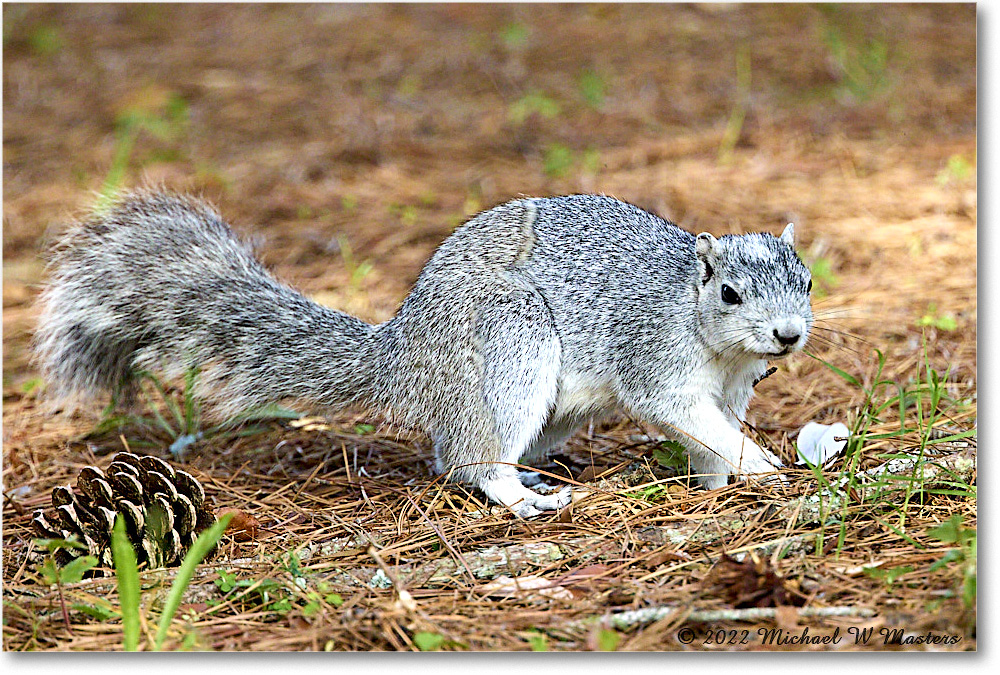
[507, 490]
[760, 461]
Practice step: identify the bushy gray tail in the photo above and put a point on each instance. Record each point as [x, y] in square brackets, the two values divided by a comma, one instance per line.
[161, 283]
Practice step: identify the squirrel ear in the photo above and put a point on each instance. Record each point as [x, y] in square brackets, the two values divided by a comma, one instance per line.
[788, 236]
[705, 245]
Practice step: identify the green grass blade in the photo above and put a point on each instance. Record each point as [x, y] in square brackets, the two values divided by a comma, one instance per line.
[847, 377]
[270, 411]
[968, 494]
[169, 401]
[954, 437]
[898, 532]
[202, 545]
[264, 413]
[116, 174]
[109, 423]
[127, 574]
[157, 417]
[190, 402]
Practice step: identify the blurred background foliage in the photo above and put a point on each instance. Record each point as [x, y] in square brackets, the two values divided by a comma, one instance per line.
[357, 136]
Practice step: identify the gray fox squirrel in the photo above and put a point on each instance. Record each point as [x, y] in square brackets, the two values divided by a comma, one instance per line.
[529, 319]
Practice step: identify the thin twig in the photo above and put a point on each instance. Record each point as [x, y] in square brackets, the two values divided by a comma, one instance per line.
[62, 604]
[647, 615]
[437, 530]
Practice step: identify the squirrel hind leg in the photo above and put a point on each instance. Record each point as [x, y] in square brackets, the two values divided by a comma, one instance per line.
[521, 380]
[506, 409]
[505, 488]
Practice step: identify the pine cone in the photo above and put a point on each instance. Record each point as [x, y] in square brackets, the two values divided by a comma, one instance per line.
[164, 510]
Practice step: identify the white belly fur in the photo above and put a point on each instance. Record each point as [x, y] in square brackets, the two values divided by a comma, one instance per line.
[583, 395]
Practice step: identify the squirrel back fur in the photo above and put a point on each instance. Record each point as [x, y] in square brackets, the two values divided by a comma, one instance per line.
[529, 319]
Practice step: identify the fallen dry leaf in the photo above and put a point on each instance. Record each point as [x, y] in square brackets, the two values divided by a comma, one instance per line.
[753, 583]
[242, 527]
[660, 558]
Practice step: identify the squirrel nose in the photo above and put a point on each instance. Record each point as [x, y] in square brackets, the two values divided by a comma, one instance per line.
[788, 336]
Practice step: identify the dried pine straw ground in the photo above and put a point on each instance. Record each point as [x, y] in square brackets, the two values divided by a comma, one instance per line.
[378, 129]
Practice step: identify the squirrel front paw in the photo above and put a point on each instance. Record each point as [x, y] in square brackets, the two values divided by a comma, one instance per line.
[749, 464]
[755, 461]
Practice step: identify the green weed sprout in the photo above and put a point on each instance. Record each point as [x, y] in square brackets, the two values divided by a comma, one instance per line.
[129, 591]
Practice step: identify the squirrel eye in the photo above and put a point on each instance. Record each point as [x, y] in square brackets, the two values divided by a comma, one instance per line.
[729, 296]
[809, 288]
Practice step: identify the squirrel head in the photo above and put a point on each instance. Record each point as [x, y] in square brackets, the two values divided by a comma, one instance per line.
[753, 294]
